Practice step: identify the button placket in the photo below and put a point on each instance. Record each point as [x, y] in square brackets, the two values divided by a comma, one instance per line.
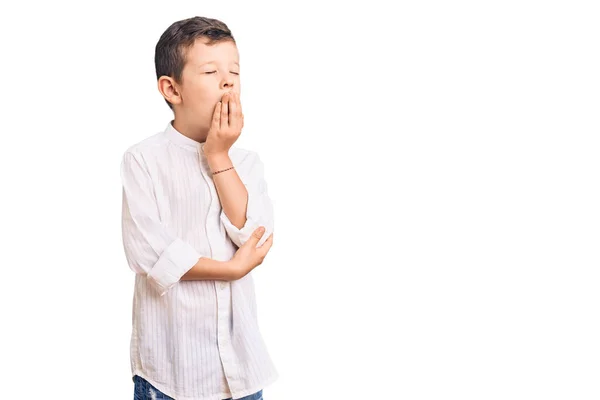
[223, 315]
[223, 295]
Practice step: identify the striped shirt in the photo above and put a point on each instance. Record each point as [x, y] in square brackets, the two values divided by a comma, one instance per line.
[192, 340]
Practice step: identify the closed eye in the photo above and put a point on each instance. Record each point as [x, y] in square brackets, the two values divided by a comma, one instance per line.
[212, 72]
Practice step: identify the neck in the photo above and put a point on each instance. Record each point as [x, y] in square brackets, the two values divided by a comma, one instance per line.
[190, 130]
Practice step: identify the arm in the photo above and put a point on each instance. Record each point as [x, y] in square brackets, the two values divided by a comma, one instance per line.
[245, 202]
[209, 269]
[232, 192]
[150, 248]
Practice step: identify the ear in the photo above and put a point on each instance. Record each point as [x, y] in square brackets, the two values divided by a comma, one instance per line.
[169, 90]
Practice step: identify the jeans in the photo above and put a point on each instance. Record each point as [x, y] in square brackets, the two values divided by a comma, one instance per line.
[143, 390]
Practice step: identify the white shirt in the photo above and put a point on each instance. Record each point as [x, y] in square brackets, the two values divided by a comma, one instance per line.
[192, 340]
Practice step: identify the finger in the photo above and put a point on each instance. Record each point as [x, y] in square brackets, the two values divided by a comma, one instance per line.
[233, 119]
[216, 120]
[266, 246]
[225, 111]
[239, 103]
[255, 237]
[240, 114]
[268, 242]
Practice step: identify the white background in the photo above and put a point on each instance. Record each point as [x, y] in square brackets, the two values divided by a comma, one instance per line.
[434, 169]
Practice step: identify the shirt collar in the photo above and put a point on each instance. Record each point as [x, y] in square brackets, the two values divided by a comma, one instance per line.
[179, 138]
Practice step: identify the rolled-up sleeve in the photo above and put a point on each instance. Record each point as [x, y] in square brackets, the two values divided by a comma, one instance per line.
[259, 211]
[150, 248]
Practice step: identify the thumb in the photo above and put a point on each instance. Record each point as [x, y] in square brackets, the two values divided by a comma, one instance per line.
[256, 235]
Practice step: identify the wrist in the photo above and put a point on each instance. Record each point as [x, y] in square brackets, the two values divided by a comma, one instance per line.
[232, 269]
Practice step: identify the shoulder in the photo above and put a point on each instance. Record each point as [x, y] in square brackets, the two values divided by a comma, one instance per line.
[137, 159]
[145, 150]
[149, 144]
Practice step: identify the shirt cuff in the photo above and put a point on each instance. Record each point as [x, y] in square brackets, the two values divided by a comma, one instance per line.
[173, 263]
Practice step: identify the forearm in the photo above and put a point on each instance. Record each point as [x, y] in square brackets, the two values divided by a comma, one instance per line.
[230, 189]
[210, 269]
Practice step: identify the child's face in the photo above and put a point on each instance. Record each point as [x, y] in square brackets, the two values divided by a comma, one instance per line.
[209, 72]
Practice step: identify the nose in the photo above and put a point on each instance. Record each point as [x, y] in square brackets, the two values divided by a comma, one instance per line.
[227, 84]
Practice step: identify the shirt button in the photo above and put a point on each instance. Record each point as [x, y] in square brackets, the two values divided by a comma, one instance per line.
[223, 285]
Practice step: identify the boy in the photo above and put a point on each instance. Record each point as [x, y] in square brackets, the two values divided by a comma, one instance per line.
[193, 209]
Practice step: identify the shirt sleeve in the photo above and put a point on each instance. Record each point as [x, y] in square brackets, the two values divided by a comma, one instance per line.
[150, 248]
[259, 211]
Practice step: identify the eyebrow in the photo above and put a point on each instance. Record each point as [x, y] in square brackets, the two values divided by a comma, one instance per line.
[212, 61]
